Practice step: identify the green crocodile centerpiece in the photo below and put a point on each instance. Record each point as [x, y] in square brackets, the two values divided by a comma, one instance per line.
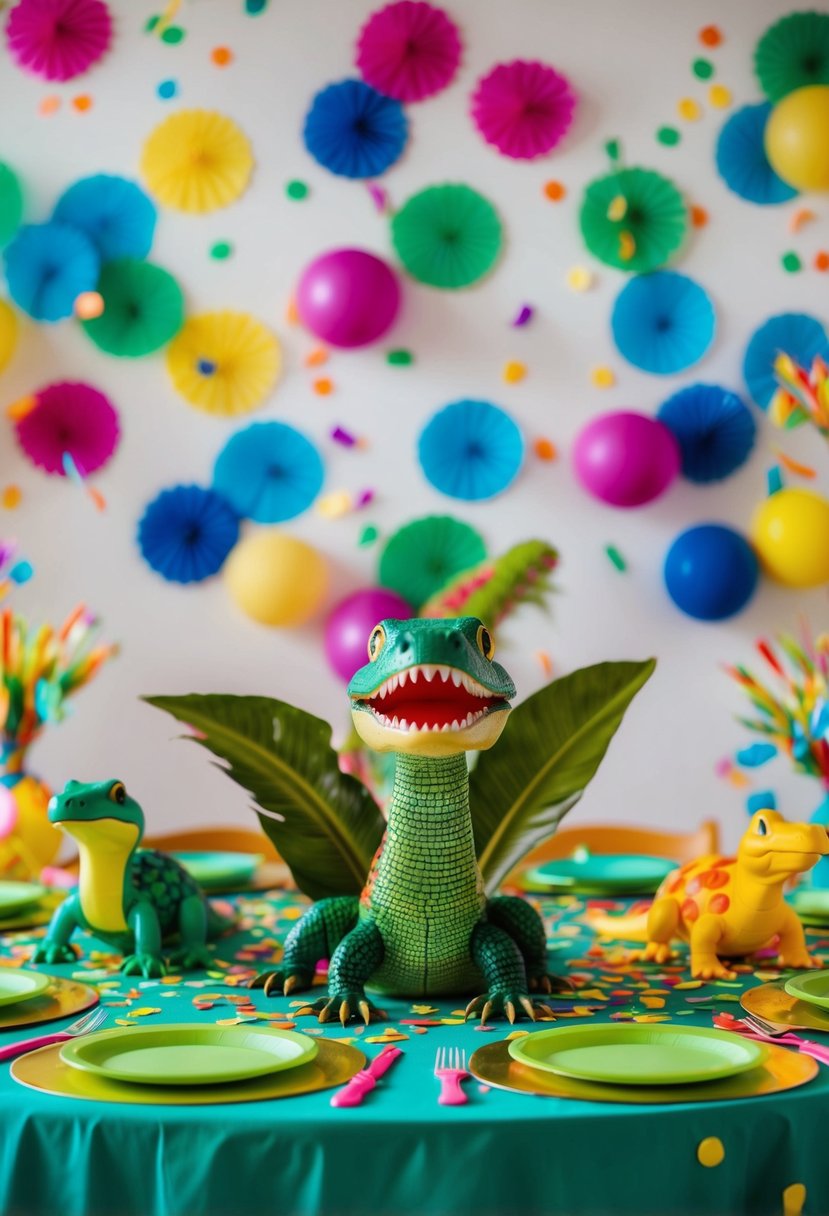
[422, 926]
[132, 898]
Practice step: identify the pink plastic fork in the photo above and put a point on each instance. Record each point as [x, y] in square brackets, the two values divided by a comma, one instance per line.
[817, 1050]
[450, 1069]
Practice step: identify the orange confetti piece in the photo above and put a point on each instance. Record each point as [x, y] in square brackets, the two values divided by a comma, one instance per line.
[20, 408]
[738, 780]
[317, 357]
[794, 466]
[88, 305]
[49, 105]
[82, 103]
[323, 386]
[514, 371]
[545, 662]
[555, 191]
[689, 109]
[12, 496]
[221, 56]
[822, 260]
[710, 35]
[545, 449]
[800, 217]
[699, 217]
[291, 313]
[653, 1002]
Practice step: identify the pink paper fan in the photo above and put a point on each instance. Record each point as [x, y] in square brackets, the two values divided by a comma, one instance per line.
[523, 109]
[73, 418]
[408, 50]
[58, 39]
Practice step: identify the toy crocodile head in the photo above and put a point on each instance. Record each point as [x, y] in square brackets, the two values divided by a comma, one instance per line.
[430, 688]
[772, 848]
[101, 815]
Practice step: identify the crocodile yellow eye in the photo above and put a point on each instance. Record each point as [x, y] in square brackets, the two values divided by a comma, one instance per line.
[376, 642]
[762, 829]
[485, 643]
[118, 793]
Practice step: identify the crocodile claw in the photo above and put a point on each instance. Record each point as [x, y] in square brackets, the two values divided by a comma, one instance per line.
[345, 1005]
[282, 981]
[511, 1005]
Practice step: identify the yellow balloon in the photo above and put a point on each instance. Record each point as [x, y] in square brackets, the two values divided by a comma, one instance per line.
[276, 579]
[790, 531]
[797, 138]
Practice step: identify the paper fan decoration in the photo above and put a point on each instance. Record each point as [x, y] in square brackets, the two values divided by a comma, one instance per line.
[47, 268]
[69, 418]
[633, 219]
[269, 472]
[424, 555]
[795, 334]
[143, 309]
[11, 204]
[523, 108]
[197, 161]
[113, 212]
[447, 236]
[663, 322]
[8, 333]
[186, 533]
[409, 50]
[741, 158]
[58, 39]
[224, 362]
[715, 430]
[354, 131]
[471, 450]
[793, 54]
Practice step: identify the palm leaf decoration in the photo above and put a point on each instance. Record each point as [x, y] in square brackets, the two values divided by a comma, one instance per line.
[324, 823]
[550, 750]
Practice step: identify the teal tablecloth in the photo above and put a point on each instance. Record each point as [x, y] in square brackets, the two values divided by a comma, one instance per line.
[400, 1154]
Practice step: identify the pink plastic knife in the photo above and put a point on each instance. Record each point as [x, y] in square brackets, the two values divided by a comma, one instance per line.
[365, 1080]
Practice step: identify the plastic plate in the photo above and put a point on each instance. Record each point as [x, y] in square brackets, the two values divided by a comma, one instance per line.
[21, 985]
[16, 895]
[220, 869]
[812, 987]
[609, 872]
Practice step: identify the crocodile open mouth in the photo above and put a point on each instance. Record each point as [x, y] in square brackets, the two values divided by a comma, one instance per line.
[431, 698]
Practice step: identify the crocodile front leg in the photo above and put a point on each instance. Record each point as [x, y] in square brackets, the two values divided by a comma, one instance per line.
[147, 961]
[502, 964]
[526, 928]
[355, 960]
[55, 946]
[315, 936]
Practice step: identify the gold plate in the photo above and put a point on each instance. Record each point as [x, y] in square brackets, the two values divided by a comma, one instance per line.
[334, 1064]
[773, 1003]
[782, 1070]
[60, 1000]
[39, 913]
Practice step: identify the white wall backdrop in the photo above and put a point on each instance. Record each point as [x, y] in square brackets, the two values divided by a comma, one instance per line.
[630, 62]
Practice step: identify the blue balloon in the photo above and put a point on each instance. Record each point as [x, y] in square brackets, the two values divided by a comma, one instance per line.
[711, 572]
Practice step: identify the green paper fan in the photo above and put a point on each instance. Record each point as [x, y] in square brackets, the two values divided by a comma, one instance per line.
[447, 236]
[143, 309]
[424, 555]
[11, 204]
[793, 54]
[651, 223]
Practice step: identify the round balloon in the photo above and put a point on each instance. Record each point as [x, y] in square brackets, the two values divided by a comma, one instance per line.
[711, 572]
[626, 459]
[348, 297]
[797, 138]
[276, 579]
[348, 627]
[790, 530]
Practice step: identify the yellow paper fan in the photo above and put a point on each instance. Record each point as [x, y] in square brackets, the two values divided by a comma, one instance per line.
[197, 161]
[224, 362]
[8, 333]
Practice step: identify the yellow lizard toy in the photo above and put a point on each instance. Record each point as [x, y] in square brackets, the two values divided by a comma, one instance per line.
[730, 905]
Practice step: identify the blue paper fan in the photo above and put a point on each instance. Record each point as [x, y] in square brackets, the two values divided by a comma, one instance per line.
[471, 450]
[186, 533]
[741, 158]
[354, 131]
[663, 322]
[269, 472]
[47, 268]
[795, 334]
[113, 212]
[713, 427]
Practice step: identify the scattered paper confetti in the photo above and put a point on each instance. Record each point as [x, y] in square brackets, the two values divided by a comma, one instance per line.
[167, 89]
[669, 136]
[514, 372]
[719, 96]
[616, 557]
[579, 278]
[545, 449]
[791, 262]
[794, 1197]
[368, 536]
[222, 56]
[800, 217]
[710, 1151]
[822, 260]
[173, 35]
[689, 109]
[344, 437]
[221, 250]
[11, 497]
[613, 149]
[49, 105]
[603, 377]
[555, 191]
[545, 662]
[627, 246]
[399, 358]
[296, 189]
[699, 216]
[82, 103]
[794, 466]
[144, 1012]
[710, 35]
[523, 316]
[335, 505]
[88, 305]
[254, 7]
[378, 196]
[703, 69]
[323, 386]
[774, 480]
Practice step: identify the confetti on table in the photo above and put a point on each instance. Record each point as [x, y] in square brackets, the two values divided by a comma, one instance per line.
[167, 89]
[11, 497]
[689, 109]
[710, 35]
[423, 1009]
[221, 250]
[555, 191]
[340, 435]
[616, 557]
[523, 316]
[703, 69]
[719, 96]
[603, 377]
[791, 262]
[803, 215]
[368, 536]
[514, 371]
[545, 662]
[699, 216]
[323, 386]
[822, 260]
[82, 103]
[794, 466]
[579, 278]
[545, 449]
[296, 189]
[399, 358]
[222, 56]
[144, 1012]
[88, 305]
[794, 1197]
[669, 136]
[49, 105]
[710, 1151]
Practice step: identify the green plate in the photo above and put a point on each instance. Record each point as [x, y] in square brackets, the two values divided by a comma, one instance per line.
[20, 985]
[16, 895]
[612, 873]
[812, 987]
[188, 1054]
[811, 901]
[220, 869]
[625, 1054]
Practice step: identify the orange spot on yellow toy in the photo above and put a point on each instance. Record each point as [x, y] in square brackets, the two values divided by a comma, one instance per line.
[719, 904]
[690, 911]
[710, 1151]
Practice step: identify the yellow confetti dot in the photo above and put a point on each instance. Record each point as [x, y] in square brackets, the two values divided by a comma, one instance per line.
[687, 984]
[12, 496]
[720, 96]
[649, 1018]
[653, 1002]
[689, 109]
[334, 506]
[794, 1198]
[143, 1012]
[452, 1021]
[579, 278]
[627, 246]
[514, 371]
[603, 377]
[424, 1009]
[617, 209]
[516, 1034]
[710, 1151]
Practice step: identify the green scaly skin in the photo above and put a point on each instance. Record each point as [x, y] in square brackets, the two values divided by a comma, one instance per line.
[423, 926]
[131, 898]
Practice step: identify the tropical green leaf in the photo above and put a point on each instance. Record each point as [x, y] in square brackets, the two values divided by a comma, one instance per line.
[550, 750]
[324, 823]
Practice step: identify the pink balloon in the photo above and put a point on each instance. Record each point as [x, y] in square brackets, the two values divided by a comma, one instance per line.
[8, 812]
[352, 620]
[626, 459]
[348, 297]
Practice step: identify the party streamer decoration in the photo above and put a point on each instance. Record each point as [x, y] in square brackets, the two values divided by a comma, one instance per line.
[354, 131]
[224, 362]
[714, 429]
[269, 472]
[633, 219]
[793, 54]
[11, 203]
[523, 108]
[409, 50]
[47, 267]
[186, 533]
[197, 161]
[802, 396]
[796, 334]
[143, 309]
[447, 236]
[471, 450]
[69, 417]
[113, 212]
[58, 39]
[663, 322]
[741, 158]
[419, 559]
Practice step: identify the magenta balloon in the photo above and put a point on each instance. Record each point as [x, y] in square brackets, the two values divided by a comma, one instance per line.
[352, 620]
[626, 459]
[348, 297]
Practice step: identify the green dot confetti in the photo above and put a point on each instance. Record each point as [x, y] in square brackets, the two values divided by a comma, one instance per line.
[703, 69]
[173, 35]
[400, 358]
[221, 250]
[616, 557]
[791, 262]
[368, 535]
[152, 22]
[613, 149]
[296, 189]
[254, 7]
[669, 136]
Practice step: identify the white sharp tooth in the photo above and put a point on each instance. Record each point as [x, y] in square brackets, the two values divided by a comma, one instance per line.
[444, 728]
[404, 725]
[401, 679]
[457, 677]
[428, 672]
[394, 723]
[413, 675]
[383, 692]
[443, 672]
[468, 683]
[455, 724]
[413, 728]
